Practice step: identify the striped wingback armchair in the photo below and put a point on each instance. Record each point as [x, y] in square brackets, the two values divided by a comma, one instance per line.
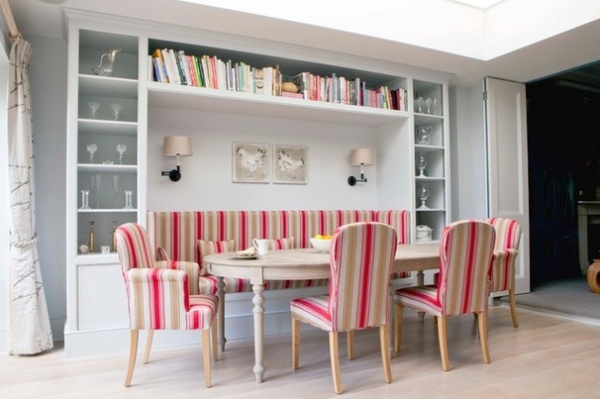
[159, 297]
[508, 236]
[362, 255]
[466, 249]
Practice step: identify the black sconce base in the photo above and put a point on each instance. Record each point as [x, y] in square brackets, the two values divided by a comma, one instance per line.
[174, 174]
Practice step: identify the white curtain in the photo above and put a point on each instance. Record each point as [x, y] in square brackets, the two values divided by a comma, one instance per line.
[28, 322]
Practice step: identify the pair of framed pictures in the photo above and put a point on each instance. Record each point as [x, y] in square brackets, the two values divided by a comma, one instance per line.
[259, 163]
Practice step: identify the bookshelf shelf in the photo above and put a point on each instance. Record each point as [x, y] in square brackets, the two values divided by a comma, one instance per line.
[213, 100]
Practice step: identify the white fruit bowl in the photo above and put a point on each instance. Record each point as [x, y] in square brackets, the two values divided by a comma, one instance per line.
[322, 245]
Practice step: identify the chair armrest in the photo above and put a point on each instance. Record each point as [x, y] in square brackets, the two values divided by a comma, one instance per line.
[502, 270]
[192, 269]
[158, 298]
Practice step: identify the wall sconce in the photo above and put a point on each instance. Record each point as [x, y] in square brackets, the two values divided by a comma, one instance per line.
[361, 157]
[176, 146]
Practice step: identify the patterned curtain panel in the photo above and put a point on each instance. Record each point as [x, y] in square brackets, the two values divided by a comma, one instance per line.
[28, 322]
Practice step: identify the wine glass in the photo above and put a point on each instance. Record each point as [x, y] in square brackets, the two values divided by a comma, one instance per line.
[421, 164]
[94, 107]
[423, 194]
[121, 148]
[424, 135]
[92, 148]
[117, 109]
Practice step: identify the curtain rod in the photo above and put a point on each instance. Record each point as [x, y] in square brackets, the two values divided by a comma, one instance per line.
[9, 18]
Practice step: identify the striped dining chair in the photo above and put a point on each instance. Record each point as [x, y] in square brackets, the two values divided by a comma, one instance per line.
[362, 256]
[462, 288]
[506, 249]
[158, 293]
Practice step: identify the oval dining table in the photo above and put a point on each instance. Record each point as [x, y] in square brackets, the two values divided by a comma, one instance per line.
[296, 264]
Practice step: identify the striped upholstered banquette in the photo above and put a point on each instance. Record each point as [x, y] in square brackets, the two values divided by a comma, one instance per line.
[177, 234]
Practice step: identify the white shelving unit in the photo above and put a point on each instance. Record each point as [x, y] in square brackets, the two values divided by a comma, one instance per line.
[96, 310]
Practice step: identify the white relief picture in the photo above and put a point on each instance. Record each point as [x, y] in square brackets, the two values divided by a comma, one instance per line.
[251, 163]
[290, 164]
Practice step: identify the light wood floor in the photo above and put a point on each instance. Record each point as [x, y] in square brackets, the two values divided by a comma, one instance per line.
[546, 357]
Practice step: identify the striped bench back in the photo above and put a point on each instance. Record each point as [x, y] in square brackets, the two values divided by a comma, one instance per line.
[178, 232]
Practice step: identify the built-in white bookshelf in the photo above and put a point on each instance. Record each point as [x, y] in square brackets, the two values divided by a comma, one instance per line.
[96, 310]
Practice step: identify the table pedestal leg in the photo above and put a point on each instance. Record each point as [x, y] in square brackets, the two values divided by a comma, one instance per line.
[221, 312]
[259, 321]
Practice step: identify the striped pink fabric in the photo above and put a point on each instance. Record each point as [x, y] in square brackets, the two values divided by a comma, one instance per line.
[508, 236]
[465, 257]
[158, 292]
[362, 256]
[176, 234]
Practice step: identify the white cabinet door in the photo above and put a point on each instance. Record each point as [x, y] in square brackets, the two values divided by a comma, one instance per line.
[508, 187]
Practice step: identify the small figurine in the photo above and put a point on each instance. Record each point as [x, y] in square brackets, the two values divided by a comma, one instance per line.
[83, 249]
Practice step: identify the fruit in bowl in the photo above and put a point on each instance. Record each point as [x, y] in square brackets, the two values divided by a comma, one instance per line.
[322, 243]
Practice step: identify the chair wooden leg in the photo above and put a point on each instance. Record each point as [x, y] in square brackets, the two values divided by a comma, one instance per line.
[206, 349]
[398, 327]
[385, 352]
[513, 307]
[335, 362]
[149, 338]
[132, 355]
[350, 344]
[483, 336]
[441, 322]
[295, 343]
[215, 343]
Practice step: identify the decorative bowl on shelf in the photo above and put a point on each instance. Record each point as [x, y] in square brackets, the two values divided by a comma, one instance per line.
[321, 244]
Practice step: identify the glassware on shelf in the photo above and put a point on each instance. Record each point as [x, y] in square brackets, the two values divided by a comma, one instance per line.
[97, 182]
[428, 102]
[85, 199]
[115, 190]
[117, 110]
[421, 164]
[435, 107]
[106, 68]
[424, 135]
[121, 148]
[91, 149]
[94, 108]
[420, 105]
[423, 194]
[128, 199]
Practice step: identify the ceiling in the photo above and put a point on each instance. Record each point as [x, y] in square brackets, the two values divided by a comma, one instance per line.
[535, 55]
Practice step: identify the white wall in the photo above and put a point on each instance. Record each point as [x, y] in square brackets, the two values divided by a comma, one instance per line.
[206, 181]
[48, 78]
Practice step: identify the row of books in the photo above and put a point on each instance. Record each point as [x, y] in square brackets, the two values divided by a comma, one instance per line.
[354, 92]
[176, 67]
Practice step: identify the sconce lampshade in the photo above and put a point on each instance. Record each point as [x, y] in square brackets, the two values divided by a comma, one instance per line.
[362, 156]
[177, 145]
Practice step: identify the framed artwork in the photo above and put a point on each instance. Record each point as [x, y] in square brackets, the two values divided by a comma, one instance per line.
[290, 164]
[251, 163]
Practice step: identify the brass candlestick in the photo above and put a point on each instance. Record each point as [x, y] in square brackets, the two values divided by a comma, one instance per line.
[91, 237]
